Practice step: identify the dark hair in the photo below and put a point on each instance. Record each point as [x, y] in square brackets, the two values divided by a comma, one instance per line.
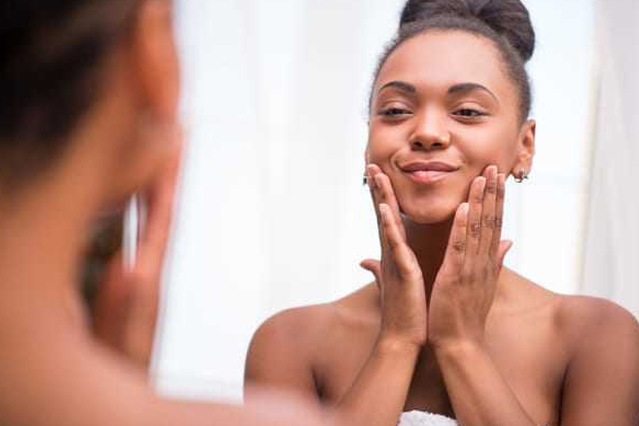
[51, 54]
[505, 22]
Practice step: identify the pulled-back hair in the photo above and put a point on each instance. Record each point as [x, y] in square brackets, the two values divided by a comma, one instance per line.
[504, 22]
[51, 54]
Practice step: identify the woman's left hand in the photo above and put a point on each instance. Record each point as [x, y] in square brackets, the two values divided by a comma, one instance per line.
[128, 298]
[466, 283]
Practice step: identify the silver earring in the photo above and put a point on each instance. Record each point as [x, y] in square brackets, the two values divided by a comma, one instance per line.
[521, 176]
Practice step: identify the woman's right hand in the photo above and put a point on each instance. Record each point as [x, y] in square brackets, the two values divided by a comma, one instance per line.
[398, 275]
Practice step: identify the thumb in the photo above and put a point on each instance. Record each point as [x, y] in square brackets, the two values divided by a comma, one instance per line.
[504, 248]
[373, 266]
[112, 294]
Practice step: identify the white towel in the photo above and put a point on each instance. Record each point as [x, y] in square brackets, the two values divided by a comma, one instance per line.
[421, 418]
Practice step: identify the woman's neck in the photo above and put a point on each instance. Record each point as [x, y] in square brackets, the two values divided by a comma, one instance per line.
[429, 244]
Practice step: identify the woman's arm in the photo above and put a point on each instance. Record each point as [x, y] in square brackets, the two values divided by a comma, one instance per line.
[379, 394]
[602, 380]
[281, 357]
[478, 391]
[278, 355]
[462, 295]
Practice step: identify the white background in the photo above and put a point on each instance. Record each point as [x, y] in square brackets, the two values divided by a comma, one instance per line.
[272, 212]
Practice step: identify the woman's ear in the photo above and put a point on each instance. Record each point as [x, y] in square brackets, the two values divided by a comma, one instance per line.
[154, 54]
[525, 148]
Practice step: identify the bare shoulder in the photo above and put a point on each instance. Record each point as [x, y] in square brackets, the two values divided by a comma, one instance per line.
[288, 343]
[280, 355]
[578, 323]
[586, 312]
[589, 323]
[293, 326]
[307, 326]
[572, 315]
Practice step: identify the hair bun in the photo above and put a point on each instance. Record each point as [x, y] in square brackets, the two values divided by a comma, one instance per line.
[509, 18]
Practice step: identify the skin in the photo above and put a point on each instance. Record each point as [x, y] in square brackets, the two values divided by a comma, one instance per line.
[445, 328]
[56, 369]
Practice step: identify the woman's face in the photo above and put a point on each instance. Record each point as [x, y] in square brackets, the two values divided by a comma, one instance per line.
[443, 109]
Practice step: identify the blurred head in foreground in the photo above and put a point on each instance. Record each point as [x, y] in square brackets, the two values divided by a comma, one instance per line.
[86, 82]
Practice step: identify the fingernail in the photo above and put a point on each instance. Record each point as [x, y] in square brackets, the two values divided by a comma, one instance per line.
[482, 182]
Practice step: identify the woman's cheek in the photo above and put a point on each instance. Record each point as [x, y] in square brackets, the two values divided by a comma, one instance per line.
[381, 154]
[492, 145]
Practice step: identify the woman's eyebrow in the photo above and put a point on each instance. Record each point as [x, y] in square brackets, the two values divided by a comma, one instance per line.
[399, 85]
[460, 88]
[463, 88]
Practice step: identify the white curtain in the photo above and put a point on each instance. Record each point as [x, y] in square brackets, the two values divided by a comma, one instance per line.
[273, 213]
[611, 259]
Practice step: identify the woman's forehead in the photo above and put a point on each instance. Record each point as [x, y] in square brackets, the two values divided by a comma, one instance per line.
[439, 59]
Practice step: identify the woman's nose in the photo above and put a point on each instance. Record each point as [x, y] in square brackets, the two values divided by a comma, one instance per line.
[430, 133]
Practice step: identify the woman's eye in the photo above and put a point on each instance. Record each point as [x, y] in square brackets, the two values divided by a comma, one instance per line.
[469, 113]
[394, 112]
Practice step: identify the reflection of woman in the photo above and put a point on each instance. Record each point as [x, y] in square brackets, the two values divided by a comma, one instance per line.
[446, 329]
[88, 100]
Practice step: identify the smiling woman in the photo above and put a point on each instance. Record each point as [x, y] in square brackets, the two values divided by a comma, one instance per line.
[442, 97]
[445, 328]
[292, 137]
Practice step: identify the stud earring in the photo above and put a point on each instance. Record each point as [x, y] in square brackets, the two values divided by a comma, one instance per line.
[521, 176]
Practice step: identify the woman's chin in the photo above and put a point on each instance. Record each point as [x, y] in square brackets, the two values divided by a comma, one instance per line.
[431, 215]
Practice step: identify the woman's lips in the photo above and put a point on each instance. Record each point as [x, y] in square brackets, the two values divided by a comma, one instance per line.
[428, 177]
[428, 172]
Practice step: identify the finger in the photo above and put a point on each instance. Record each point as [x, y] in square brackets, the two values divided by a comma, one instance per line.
[504, 248]
[111, 300]
[372, 186]
[488, 211]
[387, 193]
[374, 267]
[387, 196]
[454, 257]
[140, 334]
[372, 170]
[475, 200]
[125, 313]
[399, 251]
[160, 198]
[499, 215]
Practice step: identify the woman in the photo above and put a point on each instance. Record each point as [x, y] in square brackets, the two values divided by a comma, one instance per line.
[88, 117]
[445, 329]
